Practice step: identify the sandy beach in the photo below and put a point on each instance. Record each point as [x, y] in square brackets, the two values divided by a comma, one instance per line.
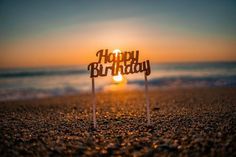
[184, 122]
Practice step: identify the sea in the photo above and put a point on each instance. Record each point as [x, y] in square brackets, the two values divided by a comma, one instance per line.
[31, 83]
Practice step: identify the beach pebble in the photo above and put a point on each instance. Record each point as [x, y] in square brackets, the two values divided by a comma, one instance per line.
[189, 122]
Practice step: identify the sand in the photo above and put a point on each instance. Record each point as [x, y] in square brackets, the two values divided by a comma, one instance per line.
[184, 122]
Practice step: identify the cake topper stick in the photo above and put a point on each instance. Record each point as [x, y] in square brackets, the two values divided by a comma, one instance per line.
[94, 103]
[147, 100]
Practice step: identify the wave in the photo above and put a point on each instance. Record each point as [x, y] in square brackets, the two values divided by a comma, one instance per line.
[208, 81]
[40, 72]
[32, 93]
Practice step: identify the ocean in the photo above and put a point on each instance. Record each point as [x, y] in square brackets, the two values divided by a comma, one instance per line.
[29, 83]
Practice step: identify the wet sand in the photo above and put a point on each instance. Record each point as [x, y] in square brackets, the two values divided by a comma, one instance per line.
[184, 122]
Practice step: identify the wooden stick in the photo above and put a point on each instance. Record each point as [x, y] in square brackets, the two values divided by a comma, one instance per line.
[147, 100]
[94, 104]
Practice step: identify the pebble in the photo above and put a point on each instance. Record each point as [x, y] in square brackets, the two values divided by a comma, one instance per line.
[185, 125]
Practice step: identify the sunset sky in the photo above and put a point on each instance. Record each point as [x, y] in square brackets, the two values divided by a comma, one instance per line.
[54, 33]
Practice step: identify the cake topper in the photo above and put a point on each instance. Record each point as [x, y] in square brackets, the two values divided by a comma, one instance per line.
[123, 63]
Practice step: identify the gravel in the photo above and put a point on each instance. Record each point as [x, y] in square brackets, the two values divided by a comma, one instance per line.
[184, 122]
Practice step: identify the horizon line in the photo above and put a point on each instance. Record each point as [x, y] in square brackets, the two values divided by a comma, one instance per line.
[75, 65]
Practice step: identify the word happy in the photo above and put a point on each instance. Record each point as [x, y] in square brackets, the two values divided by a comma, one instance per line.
[121, 62]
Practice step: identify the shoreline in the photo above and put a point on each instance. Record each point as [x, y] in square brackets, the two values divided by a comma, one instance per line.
[121, 90]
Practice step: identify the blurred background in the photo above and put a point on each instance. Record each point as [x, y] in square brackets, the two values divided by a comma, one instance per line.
[45, 46]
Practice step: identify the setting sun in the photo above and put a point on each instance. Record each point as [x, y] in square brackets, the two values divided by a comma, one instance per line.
[116, 51]
[118, 78]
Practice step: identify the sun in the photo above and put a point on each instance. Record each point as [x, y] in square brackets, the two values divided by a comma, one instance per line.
[118, 78]
[116, 51]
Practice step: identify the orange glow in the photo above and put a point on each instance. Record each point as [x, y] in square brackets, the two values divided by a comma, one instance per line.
[79, 47]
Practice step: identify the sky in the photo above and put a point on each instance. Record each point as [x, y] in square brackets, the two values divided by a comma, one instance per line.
[70, 32]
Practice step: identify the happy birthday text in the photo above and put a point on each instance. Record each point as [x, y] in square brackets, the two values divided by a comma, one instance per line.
[121, 62]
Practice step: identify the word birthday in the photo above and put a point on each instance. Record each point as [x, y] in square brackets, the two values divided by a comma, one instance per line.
[120, 62]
